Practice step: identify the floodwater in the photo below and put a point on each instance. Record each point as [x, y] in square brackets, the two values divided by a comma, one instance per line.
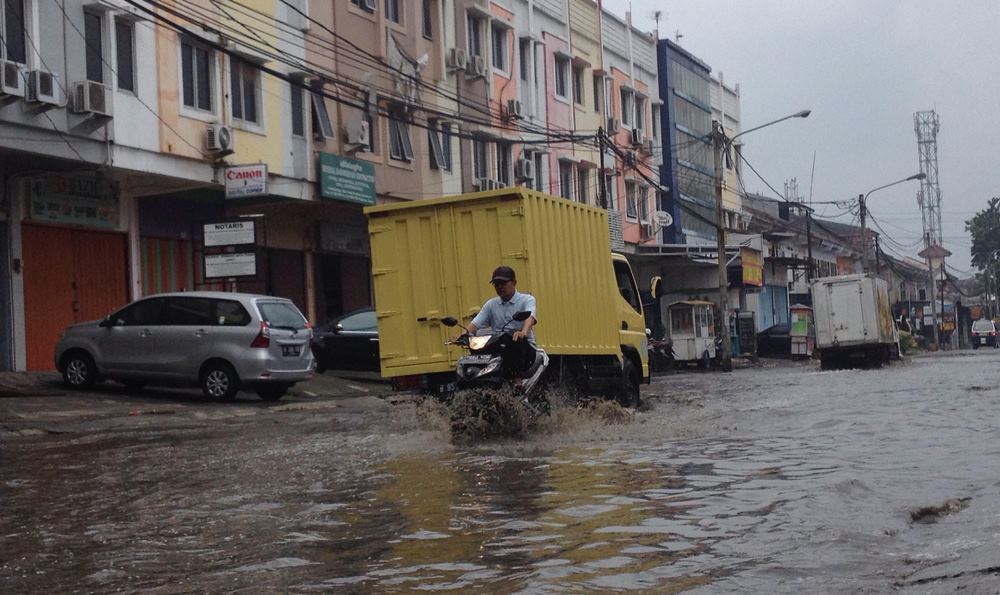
[778, 479]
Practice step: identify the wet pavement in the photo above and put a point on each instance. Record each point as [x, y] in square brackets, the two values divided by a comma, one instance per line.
[778, 478]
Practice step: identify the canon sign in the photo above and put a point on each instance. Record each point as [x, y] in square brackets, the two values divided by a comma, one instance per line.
[246, 180]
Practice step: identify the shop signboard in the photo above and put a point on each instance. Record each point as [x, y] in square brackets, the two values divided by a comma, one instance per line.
[230, 265]
[73, 199]
[243, 181]
[229, 233]
[753, 267]
[351, 180]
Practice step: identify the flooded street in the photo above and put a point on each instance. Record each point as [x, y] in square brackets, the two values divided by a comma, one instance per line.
[779, 478]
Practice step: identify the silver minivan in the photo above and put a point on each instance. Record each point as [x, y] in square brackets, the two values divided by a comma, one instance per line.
[219, 341]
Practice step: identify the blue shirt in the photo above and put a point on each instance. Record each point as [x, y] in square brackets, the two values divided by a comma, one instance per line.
[499, 315]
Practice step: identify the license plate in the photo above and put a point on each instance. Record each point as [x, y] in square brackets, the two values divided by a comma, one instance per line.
[476, 359]
[983, 341]
[290, 350]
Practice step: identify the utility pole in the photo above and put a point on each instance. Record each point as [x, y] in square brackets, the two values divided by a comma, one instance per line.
[720, 144]
[942, 299]
[863, 214]
[601, 177]
[877, 261]
[809, 244]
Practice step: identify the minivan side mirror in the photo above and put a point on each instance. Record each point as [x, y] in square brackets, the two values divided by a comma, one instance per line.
[109, 322]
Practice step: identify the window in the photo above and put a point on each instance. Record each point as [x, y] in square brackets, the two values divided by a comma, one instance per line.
[196, 75]
[244, 84]
[368, 5]
[321, 125]
[578, 85]
[281, 314]
[125, 54]
[642, 196]
[503, 163]
[630, 200]
[566, 180]
[14, 47]
[627, 107]
[392, 11]
[183, 311]
[562, 77]
[626, 285]
[400, 147]
[656, 122]
[475, 33]
[440, 144]
[499, 37]
[479, 167]
[640, 114]
[583, 185]
[146, 312]
[598, 89]
[428, 22]
[298, 112]
[95, 46]
[229, 313]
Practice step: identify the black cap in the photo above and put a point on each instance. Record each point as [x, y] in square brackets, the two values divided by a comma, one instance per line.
[503, 273]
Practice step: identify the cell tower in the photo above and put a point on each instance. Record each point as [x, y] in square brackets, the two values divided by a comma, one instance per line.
[929, 197]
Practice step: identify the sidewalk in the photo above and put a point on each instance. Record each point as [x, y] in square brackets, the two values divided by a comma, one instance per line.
[25, 384]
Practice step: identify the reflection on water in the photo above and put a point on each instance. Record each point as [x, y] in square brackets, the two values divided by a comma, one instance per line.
[759, 481]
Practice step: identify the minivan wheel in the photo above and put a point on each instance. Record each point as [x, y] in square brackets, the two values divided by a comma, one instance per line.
[79, 370]
[219, 381]
[272, 391]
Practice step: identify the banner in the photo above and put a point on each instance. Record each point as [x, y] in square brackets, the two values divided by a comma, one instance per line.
[753, 267]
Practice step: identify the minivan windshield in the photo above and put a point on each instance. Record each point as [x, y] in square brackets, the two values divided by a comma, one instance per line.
[982, 326]
[282, 315]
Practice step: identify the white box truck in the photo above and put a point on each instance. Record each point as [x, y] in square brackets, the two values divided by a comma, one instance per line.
[854, 325]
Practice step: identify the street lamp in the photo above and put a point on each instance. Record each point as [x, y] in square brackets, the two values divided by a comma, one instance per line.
[722, 145]
[862, 198]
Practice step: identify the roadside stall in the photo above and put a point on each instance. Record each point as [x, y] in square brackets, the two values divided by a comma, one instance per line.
[692, 331]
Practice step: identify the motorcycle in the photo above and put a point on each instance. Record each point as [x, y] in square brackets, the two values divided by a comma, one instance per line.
[661, 353]
[486, 372]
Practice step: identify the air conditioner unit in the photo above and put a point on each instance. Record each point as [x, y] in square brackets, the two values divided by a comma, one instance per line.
[477, 67]
[42, 87]
[457, 59]
[613, 126]
[648, 230]
[90, 97]
[524, 169]
[359, 133]
[12, 80]
[219, 139]
[515, 109]
[636, 137]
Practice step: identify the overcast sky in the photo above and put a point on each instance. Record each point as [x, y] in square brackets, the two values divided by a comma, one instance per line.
[863, 67]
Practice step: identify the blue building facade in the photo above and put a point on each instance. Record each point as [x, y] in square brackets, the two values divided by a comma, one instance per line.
[688, 169]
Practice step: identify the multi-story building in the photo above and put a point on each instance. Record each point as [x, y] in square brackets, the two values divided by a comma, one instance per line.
[128, 129]
[688, 170]
[726, 110]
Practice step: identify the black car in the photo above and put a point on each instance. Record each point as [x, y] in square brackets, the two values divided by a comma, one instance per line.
[984, 333]
[347, 343]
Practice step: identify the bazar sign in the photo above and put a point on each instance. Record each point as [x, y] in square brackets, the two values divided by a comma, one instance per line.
[246, 180]
[753, 267]
[341, 178]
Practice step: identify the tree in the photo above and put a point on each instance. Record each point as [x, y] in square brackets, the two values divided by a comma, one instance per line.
[985, 229]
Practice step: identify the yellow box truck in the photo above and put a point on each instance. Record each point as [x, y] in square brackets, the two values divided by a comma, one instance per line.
[433, 258]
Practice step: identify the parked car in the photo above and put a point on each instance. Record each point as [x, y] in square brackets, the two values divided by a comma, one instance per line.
[219, 341]
[984, 333]
[348, 343]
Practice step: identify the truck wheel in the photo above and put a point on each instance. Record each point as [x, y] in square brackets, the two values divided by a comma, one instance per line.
[628, 394]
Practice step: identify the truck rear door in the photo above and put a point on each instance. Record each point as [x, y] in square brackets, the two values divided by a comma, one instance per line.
[847, 319]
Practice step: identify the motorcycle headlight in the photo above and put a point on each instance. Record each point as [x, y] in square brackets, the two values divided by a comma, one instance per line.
[478, 342]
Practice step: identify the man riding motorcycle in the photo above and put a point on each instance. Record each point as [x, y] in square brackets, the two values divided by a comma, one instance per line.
[498, 314]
